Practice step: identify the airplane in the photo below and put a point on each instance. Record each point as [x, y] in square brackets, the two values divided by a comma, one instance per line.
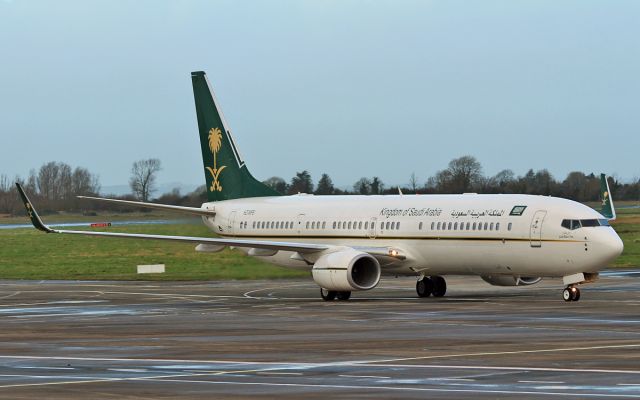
[349, 242]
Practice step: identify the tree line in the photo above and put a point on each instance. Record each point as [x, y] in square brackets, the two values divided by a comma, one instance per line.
[465, 175]
[55, 185]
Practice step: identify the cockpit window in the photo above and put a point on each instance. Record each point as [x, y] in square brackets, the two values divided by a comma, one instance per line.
[570, 224]
[594, 222]
[587, 223]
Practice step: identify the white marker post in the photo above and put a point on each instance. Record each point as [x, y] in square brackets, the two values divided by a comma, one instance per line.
[151, 269]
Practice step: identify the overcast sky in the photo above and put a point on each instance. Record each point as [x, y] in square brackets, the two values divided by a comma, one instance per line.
[350, 88]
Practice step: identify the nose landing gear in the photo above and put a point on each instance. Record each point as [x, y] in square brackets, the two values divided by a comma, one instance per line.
[571, 293]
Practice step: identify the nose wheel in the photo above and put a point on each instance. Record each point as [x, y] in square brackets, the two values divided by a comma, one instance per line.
[571, 293]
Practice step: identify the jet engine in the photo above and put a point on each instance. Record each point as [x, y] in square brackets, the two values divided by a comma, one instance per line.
[346, 270]
[510, 280]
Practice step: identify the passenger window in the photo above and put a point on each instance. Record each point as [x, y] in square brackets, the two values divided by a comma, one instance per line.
[373, 225]
[334, 224]
[360, 225]
[420, 226]
[398, 225]
[497, 226]
[324, 224]
[491, 226]
[474, 226]
[455, 226]
[432, 225]
[509, 226]
[366, 225]
[486, 226]
[438, 225]
[387, 225]
[468, 225]
[307, 225]
[349, 225]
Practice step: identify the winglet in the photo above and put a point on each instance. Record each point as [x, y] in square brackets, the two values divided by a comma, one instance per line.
[33, 214]
[608, 210]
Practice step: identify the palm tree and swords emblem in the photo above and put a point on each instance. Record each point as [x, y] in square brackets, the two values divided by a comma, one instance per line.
[215, 143]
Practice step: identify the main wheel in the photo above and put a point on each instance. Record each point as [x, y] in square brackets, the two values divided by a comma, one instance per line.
[344, 296]
[328, 295]
[424, 287]
[439, 286]
[566, 294]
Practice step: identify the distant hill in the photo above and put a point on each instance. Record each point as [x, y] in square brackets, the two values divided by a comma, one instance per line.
[162, 188]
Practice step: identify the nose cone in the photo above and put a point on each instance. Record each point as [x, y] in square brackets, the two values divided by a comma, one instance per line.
[613, 245]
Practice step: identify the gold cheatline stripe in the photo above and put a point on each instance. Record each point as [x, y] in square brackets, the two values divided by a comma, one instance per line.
[398, 238]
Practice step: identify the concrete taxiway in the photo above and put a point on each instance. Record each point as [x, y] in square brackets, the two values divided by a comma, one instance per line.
[277, 339]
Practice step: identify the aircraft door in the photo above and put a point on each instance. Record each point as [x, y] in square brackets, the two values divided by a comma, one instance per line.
[231, 222]
[300, 223]
[535, 231]
[372, 228]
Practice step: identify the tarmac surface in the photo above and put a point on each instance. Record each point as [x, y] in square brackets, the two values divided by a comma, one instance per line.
[278, 339]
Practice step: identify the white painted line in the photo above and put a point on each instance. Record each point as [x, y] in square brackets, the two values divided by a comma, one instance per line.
[396, 388]
[53, 368]
[540, 382]
[364, 364]
[365, 376]
[628, 384]
[496, 368]
[128, 369]
[494, 353]
[280, 373]
[452, 379]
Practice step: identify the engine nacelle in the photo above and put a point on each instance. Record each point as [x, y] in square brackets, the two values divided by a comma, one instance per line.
[510, 280]
[347, 270]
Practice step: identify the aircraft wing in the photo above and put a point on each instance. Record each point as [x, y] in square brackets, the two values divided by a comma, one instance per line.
[302, 248]
[166, 207]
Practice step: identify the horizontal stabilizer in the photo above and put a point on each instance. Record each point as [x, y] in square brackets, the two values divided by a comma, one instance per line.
[166, 207]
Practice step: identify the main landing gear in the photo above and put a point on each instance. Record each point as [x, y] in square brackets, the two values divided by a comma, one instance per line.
[571, 293]
[330, 295]
[431, 285]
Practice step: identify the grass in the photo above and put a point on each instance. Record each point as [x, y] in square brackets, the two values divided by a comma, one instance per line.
[30, 254]
[628, 227]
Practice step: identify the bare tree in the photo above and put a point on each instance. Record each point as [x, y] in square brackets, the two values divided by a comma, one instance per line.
[143, 178]
[377, 187]
[6, 201]
[48, 179]
[413, 182]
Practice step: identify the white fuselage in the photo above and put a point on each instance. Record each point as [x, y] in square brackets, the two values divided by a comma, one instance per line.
[466, 234]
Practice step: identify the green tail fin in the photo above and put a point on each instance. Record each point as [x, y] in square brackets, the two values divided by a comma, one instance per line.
[225, 172]
[608, 210]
